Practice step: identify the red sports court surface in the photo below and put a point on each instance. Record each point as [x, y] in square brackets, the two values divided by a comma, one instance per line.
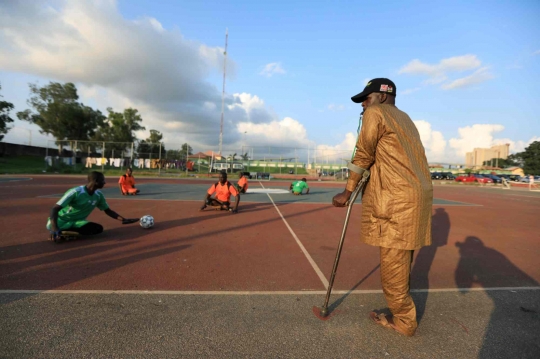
[482, 237]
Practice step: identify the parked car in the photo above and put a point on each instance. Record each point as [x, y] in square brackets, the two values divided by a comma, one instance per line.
[482, 179]
[524, 179]
[436, 175]
[447, 176]
[465, 178]
[514, 178]
[474, 178]
[496, 179]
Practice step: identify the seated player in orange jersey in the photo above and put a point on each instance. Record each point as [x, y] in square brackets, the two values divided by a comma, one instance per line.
[242, 184]
[127, 184]
[223, 190]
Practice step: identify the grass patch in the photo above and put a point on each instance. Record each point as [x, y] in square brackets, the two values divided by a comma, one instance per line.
[22, 164]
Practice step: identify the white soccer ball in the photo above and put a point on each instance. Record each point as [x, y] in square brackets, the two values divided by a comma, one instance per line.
[147, 221]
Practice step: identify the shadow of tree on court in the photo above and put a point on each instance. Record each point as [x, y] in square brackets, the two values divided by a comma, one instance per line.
[513, 330]
[440, 230]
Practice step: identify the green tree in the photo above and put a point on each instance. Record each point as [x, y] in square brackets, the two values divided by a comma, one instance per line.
[5, 107]
[502, 163]
[119, 127]
[149, 148]
[155, 141]
[55, 109]
[175, 154]
[186, 147]
[245, 156]
[531, 158]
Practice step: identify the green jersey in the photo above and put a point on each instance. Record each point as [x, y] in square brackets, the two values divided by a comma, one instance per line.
[77, 204]
[298, 186]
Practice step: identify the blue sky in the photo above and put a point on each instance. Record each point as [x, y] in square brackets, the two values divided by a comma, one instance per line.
[466, 72]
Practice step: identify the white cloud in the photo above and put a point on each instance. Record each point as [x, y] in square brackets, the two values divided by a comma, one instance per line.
[334, 107]
[477, 77]
[26, 134]
[409, 91]
[289, 130]
[457, 63]
[537, 52]
[433, 141]
[516, 146]
[470, 137]
[118, 62]
[439, 73]
[272, 69]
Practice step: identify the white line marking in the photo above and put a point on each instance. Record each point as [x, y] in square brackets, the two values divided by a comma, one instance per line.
[522, 195]
[16, 180]
[311, 261]
[231, 293]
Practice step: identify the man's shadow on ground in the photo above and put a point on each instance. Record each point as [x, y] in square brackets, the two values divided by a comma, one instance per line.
[513, 330]
[440, 230]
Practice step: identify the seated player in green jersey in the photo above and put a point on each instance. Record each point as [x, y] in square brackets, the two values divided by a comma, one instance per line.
[70, 212]
[298, 186]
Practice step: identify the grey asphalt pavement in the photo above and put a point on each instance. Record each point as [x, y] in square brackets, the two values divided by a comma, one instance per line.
[474, 324]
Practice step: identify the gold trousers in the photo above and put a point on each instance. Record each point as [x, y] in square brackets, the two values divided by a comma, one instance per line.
[395, 278]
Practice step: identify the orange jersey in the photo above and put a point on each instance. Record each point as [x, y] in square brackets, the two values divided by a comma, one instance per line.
[126, 182]
[243, 182]
[223, 192]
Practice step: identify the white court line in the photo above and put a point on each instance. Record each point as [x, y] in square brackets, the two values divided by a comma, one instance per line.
[239, 293]
[16, 180]
[522, 195]
[310, 260]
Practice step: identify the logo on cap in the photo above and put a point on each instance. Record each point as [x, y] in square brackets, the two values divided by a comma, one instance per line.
[384, 88]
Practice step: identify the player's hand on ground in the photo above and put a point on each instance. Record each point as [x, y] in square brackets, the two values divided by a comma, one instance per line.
[233, 211]
[130, 220]
[56, 235]
[341, 199]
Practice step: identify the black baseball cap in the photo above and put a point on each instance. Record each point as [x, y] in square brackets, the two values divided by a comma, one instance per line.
[381, 85]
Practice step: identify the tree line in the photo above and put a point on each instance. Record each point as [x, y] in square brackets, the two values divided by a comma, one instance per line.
[56, 109]
[528, 160]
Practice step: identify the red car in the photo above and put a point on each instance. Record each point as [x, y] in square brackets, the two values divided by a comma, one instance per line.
[474, 178]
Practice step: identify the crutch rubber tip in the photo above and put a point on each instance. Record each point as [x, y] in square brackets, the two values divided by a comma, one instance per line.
[324, 312]
[321, 313]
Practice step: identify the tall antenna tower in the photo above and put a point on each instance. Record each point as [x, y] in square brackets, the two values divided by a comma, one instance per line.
[223, 92]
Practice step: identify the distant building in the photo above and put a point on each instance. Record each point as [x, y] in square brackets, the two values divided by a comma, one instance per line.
[516, 171]
[477, 157]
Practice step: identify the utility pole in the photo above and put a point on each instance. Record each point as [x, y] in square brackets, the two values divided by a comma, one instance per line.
[223, 92]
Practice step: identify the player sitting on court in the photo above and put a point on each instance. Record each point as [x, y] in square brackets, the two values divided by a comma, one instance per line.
[68, 216]
[127, 183]
[223, 190]
[242, 184]
[298, 186]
